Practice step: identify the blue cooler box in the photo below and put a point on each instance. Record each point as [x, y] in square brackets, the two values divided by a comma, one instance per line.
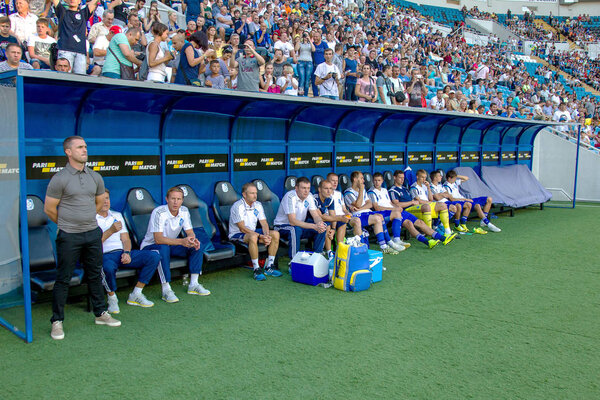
[310, 268]
[376, 264]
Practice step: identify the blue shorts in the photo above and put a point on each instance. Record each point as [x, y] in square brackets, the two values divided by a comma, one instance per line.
[408, 216]
[385, 214]
[240, 236]
[364, 218]
[480, 200]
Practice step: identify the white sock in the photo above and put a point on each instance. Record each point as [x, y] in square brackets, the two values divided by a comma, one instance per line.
[137, 290]
[448, 231]
[112, 295]
[255, 263]
[194, 279]
[270, 262]
[166, 286]
[397, 240]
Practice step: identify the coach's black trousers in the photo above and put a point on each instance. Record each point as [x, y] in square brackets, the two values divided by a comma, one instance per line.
[86, 248]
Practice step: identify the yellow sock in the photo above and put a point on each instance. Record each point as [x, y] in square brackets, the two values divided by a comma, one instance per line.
[427, 218]
[444, 219]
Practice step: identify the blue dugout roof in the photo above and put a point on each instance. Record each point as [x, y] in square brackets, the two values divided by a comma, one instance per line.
[69, 101]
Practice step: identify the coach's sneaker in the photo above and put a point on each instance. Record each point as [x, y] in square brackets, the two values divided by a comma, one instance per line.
[57, 332]
[139, 300]
[106, 319]
[432, 243]
[169, 296]
[449, 238]
[493, 228]
[396, 246]
[259, 275]
[480, 231]
[198, 289]
[273, 271]
[462, 228]
[388, 250]
[113, 304]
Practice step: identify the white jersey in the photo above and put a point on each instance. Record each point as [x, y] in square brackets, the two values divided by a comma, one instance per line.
[337, 202]
[381, 197]
[114, 241]
[170, 225]
[241, 211]
[420, 192]
[438, 189]
[292, 204]
[350, 196]
[453, 189]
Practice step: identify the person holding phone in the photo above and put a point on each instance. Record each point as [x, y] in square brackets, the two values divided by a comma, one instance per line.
[416, 89]
[327, 77]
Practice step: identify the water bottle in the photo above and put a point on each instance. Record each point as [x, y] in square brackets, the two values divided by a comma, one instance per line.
[186, 280]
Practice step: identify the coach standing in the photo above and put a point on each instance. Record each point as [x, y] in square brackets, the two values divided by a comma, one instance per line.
[73, 198]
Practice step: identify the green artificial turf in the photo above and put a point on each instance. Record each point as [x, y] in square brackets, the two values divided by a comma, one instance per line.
[513, 315]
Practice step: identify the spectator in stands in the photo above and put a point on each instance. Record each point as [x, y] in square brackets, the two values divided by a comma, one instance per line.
[291, 218]
[192, 10]
[366, 87]
[22, 23]
[385, 88]
[191, 63]
[72, 31]
[101, 28]
[438, 102]
[287, 83]
[158, 57]
[215, 80]
[120, 54]
[327, 77]
[5, 37]
[152, 17]
[74, 195]
[117, 253]
[101, 48]
[62, 65]
[246, 213]
[562, 115]
[224, 22]
[304, 48]
[13, 59]
[359, 204]
[248, 65]
[39, 45]
[350, 68]
[416, 89]
[164, 228]
[318, 56]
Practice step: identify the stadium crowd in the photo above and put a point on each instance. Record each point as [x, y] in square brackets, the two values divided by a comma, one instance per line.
[370, 51]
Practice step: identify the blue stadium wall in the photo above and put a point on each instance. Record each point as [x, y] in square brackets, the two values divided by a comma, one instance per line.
[155, 136]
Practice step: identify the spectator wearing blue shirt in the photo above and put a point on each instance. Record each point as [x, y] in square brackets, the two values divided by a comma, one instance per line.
[192, 10]
[318, 55]
[262, 37]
